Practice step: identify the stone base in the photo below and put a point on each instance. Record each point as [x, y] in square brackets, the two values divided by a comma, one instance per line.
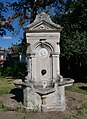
[54, 101]
[47, 108]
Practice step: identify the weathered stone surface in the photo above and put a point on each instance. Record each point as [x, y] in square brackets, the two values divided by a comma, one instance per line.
[43, 66]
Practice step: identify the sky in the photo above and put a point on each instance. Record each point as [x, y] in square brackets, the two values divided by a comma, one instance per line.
[15, 37]
[11, 38]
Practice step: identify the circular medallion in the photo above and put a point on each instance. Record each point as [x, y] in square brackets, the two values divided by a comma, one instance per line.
[43, 53]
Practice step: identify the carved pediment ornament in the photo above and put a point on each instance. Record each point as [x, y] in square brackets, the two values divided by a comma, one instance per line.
[43, 22]
[42, 26]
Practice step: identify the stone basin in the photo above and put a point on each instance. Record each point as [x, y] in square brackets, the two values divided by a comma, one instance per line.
[45, 91]
[18, 83]
[66, 82]
[43, 87]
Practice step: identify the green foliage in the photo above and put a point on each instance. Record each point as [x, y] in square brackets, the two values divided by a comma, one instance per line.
[4, 22]
[74, 44]
[23, 10]
[17, 70]
[26, 10]
[0, 70]
[74, 34]
[71, 15]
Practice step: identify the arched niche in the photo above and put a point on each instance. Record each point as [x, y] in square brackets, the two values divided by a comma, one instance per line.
[42, 62]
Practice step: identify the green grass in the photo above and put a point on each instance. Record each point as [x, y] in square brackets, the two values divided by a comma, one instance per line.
[82, 110]
[67, 117]
[78, 88]
[6, 84]
[3, 109]
[24, 117]
[84, 105]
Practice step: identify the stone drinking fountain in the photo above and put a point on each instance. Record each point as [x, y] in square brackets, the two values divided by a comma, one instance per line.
[43, 87]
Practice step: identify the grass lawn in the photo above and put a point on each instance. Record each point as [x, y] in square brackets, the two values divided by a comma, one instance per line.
[78, 88]
[6, 84]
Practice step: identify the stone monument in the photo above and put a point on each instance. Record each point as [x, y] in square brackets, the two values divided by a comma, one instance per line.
[43, 87]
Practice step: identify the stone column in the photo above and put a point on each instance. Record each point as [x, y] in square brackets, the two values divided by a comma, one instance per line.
[58, 57]
[33, 66]
[29, 68]
[56, 65]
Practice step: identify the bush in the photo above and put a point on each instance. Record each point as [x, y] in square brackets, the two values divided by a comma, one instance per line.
[16, 70]
[0, 70]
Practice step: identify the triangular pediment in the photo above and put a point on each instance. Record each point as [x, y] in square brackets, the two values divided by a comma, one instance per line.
[43, 23]
[43, 26]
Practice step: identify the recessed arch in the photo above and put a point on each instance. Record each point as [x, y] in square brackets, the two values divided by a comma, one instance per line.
[43, 44]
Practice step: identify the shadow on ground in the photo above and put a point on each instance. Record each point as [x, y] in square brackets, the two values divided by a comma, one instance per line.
[18, 94]
[83, 88]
